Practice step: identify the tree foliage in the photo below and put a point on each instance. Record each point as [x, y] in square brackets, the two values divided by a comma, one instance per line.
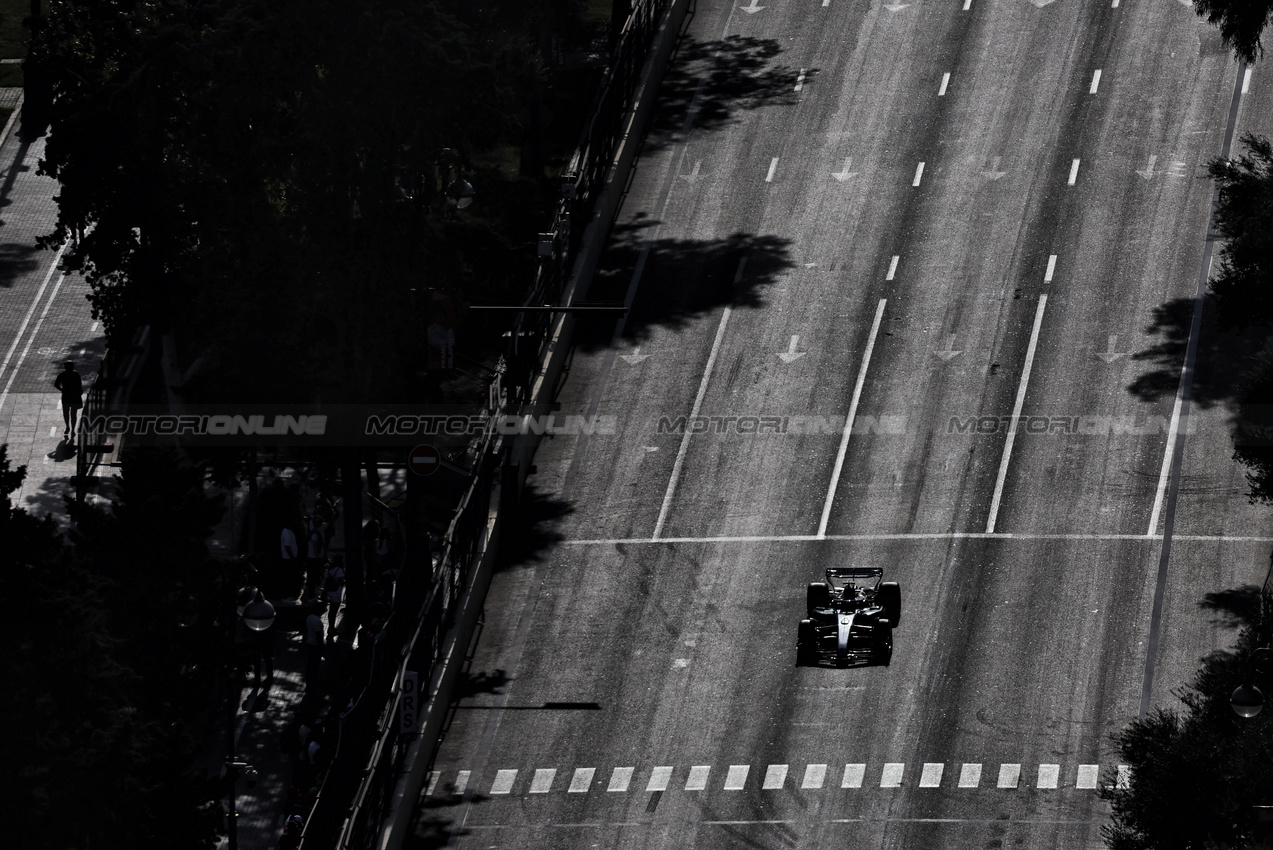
[1196, 773]
[87, 766]
[1240, 21]
[1244, 218]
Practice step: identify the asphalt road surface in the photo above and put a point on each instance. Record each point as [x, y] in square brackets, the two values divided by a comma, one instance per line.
[912, 285]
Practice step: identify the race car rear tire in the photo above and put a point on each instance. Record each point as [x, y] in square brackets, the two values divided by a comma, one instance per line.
[806, 644]
[882, 642]
[817, 596]
[890, 599]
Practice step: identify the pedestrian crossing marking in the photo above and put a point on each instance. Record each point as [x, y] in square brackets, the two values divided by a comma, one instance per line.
[737, 777]
[1085, 777]
[620, 778]
[930, 777]
[504, 780]
[659, 777]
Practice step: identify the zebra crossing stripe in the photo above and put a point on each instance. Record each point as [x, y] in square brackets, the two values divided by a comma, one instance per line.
[582, 780]
[659, 778]
[892, 775]
[1124, 778]
[434, 776]
[462, 781]
[853, 775]
[814, 776]
[930, 777]
[504, 780]
[1009, 775]
[620, 778]
[775, 777]
[737, 777]
[1087, 776]
[1049, 774]
[970, 776]
[697, 780]
[542, 783]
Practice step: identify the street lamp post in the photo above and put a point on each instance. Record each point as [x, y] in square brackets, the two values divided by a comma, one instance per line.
[257, 613]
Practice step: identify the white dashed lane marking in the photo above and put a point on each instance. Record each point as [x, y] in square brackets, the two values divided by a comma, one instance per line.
[736, 778]
[931, 775]
[659, 778]
[698, 777]
[892, 775]
[582, 780]
[620, 779]
[853, 775]
[970, 776]
[504, 780]
[814, 776]
[543, 781]
[775, 777]
[1096, 81]
[1009, 775]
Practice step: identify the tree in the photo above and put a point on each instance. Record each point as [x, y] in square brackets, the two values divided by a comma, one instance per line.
[1196, 774]
[1240, 21]
[1243, 289]
[86, 767]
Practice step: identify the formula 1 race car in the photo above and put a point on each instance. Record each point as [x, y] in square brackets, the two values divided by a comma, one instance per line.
[850, 618]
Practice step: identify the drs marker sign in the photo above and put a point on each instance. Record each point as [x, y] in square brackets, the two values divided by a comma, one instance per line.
[409, 705]
[424, 460]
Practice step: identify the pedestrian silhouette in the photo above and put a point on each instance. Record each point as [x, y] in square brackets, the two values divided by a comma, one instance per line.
[68, 381]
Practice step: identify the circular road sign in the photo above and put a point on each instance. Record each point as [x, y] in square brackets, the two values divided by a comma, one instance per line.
[424, 460]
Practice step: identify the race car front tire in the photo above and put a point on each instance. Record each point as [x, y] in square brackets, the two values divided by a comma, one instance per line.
[806, 644]
[882, 643]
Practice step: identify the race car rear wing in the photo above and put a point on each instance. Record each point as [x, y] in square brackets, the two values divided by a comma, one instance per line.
[855, 572]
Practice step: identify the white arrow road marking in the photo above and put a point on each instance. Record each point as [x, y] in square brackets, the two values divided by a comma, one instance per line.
[753, 8]
[949, 352]
[1074, 172]
[800, 80]
[635, 357]
[693, 175]
[1148, 171]
[845, 173]
[791, 355]
[993, 172]
[1110, 355]
[1096, 81]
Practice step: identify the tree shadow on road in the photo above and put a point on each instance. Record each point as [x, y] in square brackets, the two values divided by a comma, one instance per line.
[532, 529]
[16, 261]
[433, 820]
[1234, 606]
[740, 73]
[681, 280]
[1222, 359]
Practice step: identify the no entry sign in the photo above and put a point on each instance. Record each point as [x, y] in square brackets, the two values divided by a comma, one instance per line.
[424, 460]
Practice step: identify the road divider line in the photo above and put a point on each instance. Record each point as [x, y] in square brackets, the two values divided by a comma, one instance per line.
[35, 302]
[35, 331]
[1074, 172]
[945, 81]
[1016, 413]
[1096, 81]
[892, 267]
[903, 536]
[698, 403]
[848, 422]
[773, 167]
[1047, 275]
[919, 174]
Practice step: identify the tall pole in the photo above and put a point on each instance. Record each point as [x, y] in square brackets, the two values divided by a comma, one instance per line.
[231, 773]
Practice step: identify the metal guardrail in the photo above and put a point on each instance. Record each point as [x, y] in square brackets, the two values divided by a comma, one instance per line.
[116, 376]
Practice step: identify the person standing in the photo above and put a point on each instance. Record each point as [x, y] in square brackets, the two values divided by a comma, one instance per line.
[72, 388]
[313, 644]
[334, 590]
[316, 548]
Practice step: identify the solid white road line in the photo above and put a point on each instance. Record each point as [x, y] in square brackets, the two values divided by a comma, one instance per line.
[35, 302]
[736, 778]
[892, 267]
[1016, 413]
[659, 777]
[582, 780]
[853, 776]
[814, 776]
[1096, 81]
[773, 166]
[542, 782]
[697, 780]
[698, 403]
[35, 331]
[930, 776]
[940, 535]
[775, 777]
[504, 780]
[1009, 775]
[970, 776]
[891, 777]
[919, 174]
[620, 778]
[945, 81]
[1049, 774]
[1047, 276]
[1074, 172]
[848, 422]
[1246, 80]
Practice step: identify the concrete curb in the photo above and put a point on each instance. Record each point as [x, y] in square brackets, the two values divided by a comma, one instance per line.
[13, 116]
